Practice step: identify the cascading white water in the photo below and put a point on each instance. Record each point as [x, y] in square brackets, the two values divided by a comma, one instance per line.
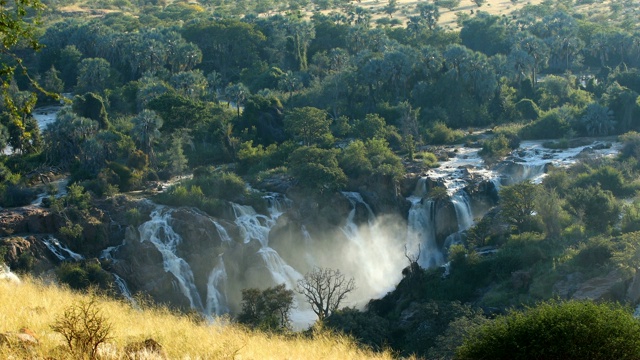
[60, 251]
[222, 232]
[124, 289]
[159, 232]
[421, 232]
[355, 199]
[6, 274]
[462, 205]
[216, 285]
[421, 228]
[376, 253]
[254, 226]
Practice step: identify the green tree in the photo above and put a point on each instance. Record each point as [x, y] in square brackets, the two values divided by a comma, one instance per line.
[308, 125]
[238, 94]
[269, 309]
[597, 209]
[448, 4]
[597, 120]
[391, 7]
[51, 81]
[93, 75]
[191, 83]
[429, 13]
[146, 130]
[372, 126]
[19, 24]
[557, 330]
[548, 206]
[518, 204]
[316, 169]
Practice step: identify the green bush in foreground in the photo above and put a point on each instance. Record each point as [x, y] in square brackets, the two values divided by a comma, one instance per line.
[557, 330]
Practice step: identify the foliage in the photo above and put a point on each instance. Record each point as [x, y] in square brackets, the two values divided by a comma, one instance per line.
[631, 217]
[557, 330]
[316, 169]
[429, 159]
[597, 209]
[499, 146]
[308, 125]
[370, 158]
[527, 109]
[439, 133]
[518, 203]
[84, 328]
[82, 276]
[368, 329]
[553, 124]
[268, 310]
[206, 191]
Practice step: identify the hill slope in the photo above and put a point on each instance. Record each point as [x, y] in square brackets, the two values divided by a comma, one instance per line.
[36, 306]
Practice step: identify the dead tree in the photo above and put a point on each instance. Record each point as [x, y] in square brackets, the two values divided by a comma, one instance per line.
[325, 289]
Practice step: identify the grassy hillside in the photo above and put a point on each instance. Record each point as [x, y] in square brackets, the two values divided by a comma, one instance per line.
[35, 306]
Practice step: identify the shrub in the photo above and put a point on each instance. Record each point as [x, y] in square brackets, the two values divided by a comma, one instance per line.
[84, 328]
[554, 124]
[369, 329]
[16, 195]
[440, 133]
[498, 147]
[80, 276]
[595, 252]
[630, 145]
[527, 109]
[268, 309]
[631, 217]
[429, 159]
[608, 177]
[557, 330]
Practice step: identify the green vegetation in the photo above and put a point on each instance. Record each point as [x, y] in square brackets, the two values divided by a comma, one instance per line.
[327, 101]
[569, 330]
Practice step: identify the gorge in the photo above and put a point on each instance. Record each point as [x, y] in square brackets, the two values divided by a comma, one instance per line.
[193, 261]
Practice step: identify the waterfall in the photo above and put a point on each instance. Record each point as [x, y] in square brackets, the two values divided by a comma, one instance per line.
[159, 232]
[124, 289]
[222, 232]
[462, 205]
[6, 274]
[421, 188]
[372, 253]
[280, 271]
[355, 199]
[254, 226]
[308, 244]
[59, 250]
[422, 232]
[216, 285]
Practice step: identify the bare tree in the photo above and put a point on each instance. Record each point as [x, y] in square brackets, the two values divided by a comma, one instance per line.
[324, 290]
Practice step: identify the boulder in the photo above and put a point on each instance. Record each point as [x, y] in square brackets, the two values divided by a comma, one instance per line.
[600, 288]
[147, 349]
[26, 254]
[26, 220]
[633, 291]
[20, 340]
[568, 285]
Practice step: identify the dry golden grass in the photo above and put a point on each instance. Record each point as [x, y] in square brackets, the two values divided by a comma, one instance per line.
[36, 306]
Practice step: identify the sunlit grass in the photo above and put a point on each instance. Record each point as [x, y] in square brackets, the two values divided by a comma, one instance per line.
[36, 306]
